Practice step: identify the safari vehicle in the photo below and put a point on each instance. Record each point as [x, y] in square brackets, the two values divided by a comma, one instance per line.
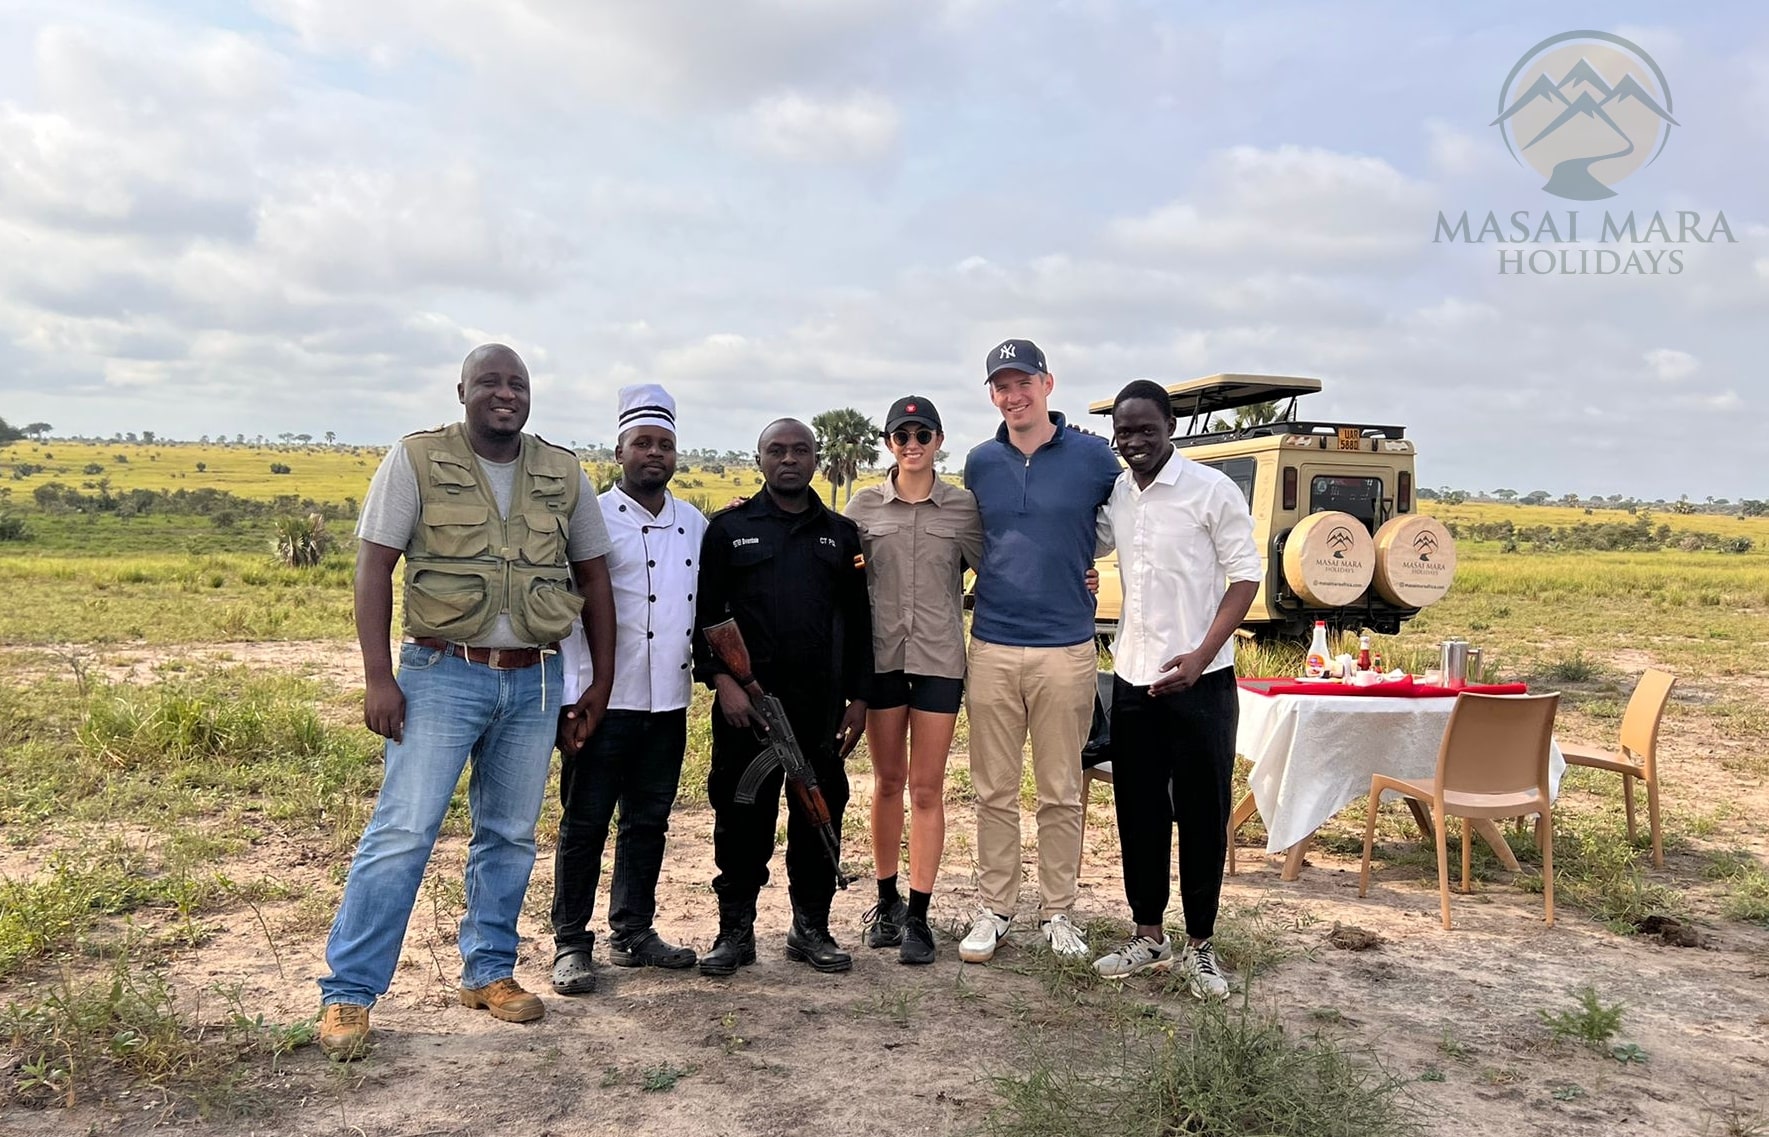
[1333, 510]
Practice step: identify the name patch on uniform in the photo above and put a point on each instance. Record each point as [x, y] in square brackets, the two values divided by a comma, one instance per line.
[737, 541]
[830, 541]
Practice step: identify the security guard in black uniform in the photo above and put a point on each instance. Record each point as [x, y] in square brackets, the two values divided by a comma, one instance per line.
[793, 575]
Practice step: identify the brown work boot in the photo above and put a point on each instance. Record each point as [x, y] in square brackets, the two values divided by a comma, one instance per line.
[344, 1031]
[506, 1000]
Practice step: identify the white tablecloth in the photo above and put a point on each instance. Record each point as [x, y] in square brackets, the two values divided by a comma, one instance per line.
[1314, 754]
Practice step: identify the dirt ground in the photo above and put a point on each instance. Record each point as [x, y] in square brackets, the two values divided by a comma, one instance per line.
[779, 1049]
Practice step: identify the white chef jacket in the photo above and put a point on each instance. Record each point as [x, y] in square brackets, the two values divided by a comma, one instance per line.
[1180, 543]
[654, 567]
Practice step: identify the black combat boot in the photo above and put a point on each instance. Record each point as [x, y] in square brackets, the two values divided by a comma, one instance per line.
[809, 942]
[736, 942]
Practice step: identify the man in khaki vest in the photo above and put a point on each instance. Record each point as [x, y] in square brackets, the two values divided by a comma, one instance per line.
[496, 528]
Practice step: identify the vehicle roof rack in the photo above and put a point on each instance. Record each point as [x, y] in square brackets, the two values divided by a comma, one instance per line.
[1194, 397]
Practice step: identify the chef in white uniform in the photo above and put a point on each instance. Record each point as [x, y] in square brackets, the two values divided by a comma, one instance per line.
[634, 760]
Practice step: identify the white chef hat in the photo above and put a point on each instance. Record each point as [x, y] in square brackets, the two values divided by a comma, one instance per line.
[646, 404]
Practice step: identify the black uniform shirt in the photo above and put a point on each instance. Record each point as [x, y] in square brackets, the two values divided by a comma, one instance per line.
[796, 583]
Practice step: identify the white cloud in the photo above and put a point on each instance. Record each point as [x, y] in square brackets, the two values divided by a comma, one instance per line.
[659, 53]
[1289, 205]
[1671, 365]
[1456, 153]
[860, 127]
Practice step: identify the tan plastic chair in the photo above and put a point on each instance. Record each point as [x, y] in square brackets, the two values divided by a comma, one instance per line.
[1638, 757]
[1492, 763]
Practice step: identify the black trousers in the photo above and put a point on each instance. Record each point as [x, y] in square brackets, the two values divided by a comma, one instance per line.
[1173, 759]
[633, 762]
[743, 835]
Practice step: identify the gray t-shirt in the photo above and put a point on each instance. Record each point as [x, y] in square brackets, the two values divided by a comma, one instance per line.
[390, 517]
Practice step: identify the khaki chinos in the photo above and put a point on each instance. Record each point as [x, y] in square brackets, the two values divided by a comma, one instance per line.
[1047, 692]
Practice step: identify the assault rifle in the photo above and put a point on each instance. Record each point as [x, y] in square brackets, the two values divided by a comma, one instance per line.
[782, 752]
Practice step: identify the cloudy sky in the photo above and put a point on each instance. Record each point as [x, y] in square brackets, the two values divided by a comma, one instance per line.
[298, 215]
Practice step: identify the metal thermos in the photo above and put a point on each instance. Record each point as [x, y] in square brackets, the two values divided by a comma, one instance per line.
[1458, 660]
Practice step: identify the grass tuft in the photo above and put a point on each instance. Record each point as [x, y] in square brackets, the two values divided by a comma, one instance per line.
[1226, 1071]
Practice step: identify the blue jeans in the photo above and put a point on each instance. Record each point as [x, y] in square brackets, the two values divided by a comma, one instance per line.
[505, 722]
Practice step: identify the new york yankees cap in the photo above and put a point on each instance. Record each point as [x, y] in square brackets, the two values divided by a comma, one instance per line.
[1016, 355]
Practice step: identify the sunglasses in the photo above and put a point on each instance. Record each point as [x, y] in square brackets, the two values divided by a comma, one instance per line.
[922, 436]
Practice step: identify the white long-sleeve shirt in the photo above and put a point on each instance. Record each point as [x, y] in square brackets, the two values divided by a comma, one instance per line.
[1180, 543]
[654, 566]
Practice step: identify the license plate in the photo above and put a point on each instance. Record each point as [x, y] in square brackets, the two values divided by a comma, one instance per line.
[1350, 438]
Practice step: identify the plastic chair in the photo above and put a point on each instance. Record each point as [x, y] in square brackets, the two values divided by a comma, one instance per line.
[1638, 757]
[1492, 763]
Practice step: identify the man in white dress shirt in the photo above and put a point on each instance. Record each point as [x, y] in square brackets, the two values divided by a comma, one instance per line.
[1189, 567]
[634, 760]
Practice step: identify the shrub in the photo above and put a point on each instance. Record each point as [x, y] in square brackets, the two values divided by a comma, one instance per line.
[202, 467]
[280, 468]
[302, 542]
[92, 468]
[13, 528]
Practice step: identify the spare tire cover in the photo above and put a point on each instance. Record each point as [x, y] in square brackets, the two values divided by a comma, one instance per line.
[1329, 559]
[1415, 561]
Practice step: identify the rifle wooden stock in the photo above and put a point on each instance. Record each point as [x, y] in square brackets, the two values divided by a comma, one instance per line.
[726, 640]
[782, 752]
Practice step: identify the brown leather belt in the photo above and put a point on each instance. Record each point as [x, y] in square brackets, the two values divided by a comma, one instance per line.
[496, 658]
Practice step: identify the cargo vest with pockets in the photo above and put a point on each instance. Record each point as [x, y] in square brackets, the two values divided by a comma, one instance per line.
[466, 564]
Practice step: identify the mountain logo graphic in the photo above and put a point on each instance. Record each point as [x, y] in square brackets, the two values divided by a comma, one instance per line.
[1340, 539]
[1424, 545]
[1585, 109]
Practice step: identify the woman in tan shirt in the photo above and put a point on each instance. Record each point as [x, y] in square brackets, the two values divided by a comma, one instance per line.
[919, 532]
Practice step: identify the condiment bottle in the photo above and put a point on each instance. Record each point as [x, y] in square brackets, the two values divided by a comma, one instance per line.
[1363, 653]
[1317, 651]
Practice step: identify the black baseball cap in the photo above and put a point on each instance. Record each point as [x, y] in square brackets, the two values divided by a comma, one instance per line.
[913, 409]
[1017, 355]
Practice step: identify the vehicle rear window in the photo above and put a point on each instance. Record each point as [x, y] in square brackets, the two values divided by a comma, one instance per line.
[1360, 497]
[1240, 471]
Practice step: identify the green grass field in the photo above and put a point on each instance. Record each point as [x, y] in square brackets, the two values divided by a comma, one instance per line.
[140, 808]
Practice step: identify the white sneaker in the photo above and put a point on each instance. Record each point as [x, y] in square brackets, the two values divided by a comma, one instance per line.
[1203, 972]
[1064, 940]
[1140, 954]
[979, 945]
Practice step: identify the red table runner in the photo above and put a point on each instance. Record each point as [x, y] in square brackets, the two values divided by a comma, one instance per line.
[1403, 688]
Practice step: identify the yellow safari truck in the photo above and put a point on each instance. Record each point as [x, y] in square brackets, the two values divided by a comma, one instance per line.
[1333, 509]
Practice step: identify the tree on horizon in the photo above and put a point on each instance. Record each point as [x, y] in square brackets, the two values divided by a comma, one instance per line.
[847, 441]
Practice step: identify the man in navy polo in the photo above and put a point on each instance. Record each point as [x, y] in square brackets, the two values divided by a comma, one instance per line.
[1039, 485]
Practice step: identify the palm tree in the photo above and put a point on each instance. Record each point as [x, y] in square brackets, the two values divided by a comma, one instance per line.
[847, 441]
[1253, 414]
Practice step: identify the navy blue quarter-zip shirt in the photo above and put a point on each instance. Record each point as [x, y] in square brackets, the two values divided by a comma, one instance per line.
[1038, 535]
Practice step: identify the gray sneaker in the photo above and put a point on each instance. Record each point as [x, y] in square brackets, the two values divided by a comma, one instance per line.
[1203, 972]
[1140, 954]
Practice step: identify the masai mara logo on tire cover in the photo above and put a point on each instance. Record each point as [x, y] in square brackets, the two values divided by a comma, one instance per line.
[1585, 109]
[1424, 545]
[1339, 540]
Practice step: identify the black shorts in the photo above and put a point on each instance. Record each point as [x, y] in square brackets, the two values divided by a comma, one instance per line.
[935, 694]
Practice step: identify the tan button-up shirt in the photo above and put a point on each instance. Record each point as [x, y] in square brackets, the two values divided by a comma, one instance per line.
[916, 554]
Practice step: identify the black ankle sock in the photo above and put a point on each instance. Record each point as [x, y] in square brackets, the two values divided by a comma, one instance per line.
[918, 902]
[887, 891]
